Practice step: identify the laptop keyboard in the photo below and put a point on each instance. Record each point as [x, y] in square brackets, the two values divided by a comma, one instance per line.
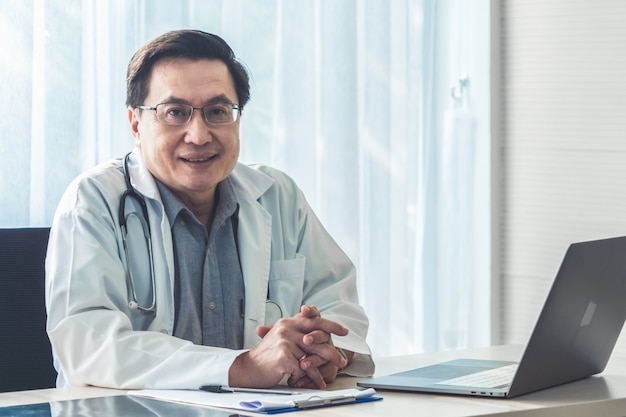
[491, 378]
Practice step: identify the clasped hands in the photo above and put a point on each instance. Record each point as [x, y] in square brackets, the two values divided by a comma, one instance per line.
[300, 346]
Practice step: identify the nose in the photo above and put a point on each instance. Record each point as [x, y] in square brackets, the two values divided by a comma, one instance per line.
[197, 130]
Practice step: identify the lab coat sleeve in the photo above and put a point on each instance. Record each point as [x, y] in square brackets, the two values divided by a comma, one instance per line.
[95, 339]
[329, 275]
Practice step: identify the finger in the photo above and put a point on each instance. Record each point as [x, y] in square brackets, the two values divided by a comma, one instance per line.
[327, 353]
[309, 311]
[304, 325]
[314, 376]
[261, 331]
[305, 311]
[311, 361]
[296, 376]
[319, 323]
[300, 380]
[316, 337]
[327, 371]
[305, 382]
[309, 375]
[310, 317]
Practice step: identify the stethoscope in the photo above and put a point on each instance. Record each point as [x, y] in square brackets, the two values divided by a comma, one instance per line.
[131, 193]
[273, 310]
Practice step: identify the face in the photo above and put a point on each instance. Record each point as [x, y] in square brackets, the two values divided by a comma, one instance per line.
[193, 158]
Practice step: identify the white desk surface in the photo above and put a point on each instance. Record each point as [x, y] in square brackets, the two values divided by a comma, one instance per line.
[603, 395]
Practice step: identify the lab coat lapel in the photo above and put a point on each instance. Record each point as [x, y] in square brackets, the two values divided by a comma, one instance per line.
[255, 225]
[255, 245]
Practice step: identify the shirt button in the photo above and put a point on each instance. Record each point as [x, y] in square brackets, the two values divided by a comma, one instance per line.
[212, 305]
[165, 331]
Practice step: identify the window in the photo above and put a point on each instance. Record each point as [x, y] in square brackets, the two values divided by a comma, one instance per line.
[351, 98]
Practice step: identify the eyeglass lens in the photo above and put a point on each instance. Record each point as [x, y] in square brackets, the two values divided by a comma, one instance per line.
[180, 114]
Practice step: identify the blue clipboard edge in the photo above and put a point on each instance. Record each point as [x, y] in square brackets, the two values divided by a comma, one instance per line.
[290, 410]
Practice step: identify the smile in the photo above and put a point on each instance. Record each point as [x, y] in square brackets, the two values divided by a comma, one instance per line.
[205, 159]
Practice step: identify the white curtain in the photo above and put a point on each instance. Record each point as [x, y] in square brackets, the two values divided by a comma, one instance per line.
[348, 97]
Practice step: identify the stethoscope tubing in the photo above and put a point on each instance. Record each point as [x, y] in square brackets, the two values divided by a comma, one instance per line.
[133, 194]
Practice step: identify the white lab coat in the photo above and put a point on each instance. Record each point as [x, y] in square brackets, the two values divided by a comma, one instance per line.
[98, 340]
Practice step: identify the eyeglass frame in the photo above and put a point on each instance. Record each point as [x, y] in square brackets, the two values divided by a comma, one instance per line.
[235, 108]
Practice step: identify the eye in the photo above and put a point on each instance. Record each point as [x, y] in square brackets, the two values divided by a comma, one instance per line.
[172, 113]
[176, 111]
[217, 111]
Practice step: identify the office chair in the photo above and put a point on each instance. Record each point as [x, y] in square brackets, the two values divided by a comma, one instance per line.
[25, 352]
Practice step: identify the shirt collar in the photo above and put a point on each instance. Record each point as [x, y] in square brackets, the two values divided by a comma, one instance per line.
[227, 204]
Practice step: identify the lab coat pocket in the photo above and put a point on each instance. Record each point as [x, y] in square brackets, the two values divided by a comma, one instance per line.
[286, 283]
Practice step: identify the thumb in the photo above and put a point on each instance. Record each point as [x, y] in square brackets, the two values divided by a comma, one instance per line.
[261, 331]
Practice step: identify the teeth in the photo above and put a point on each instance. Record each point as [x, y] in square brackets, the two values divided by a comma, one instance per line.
[198, 159]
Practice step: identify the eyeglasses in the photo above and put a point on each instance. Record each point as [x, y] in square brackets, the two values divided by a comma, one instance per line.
[178, 114]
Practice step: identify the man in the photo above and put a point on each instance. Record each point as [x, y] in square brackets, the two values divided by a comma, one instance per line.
[177, 266]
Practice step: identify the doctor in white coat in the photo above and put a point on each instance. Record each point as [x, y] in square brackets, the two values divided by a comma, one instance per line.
[111, 301]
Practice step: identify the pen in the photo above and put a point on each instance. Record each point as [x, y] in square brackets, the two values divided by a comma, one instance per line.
[320, 402]
[225, 389]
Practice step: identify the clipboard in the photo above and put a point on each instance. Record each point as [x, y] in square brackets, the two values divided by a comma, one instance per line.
[265, 403]
[314, 401]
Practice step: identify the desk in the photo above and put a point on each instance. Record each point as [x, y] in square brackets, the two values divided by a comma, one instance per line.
[599, 395]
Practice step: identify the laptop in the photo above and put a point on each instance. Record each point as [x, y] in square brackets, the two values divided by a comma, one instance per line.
[573, 338]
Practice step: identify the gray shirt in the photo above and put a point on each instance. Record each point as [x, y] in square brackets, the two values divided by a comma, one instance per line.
[209, 290]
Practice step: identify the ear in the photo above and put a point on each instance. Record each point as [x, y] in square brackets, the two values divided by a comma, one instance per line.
[133, 119]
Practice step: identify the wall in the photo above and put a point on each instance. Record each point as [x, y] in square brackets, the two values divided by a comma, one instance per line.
[562, 154]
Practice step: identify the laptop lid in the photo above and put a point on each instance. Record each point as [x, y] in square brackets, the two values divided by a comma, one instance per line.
[573, 338]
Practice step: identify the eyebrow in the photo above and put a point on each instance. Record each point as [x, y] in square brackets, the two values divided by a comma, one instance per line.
[221, 99]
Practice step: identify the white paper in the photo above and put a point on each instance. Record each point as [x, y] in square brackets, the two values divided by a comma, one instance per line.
[249, 401]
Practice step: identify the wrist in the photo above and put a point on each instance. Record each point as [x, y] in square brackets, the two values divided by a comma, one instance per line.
[238, 376]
